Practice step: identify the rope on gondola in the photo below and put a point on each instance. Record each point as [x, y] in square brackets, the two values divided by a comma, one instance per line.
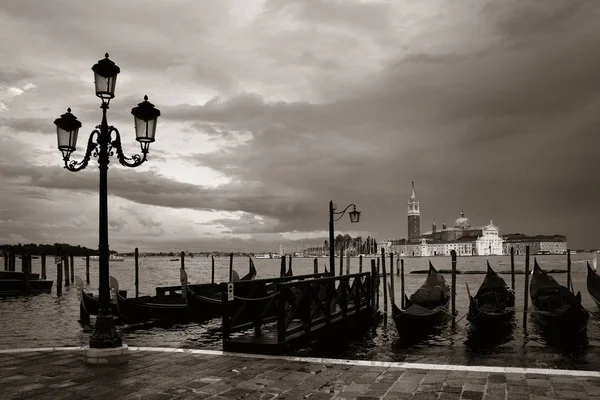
[256, 298]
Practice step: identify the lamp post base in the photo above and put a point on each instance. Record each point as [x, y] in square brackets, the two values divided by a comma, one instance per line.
[105, 335]
[112, 356]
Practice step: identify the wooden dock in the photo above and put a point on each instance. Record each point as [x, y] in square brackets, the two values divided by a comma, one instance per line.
[299, 312]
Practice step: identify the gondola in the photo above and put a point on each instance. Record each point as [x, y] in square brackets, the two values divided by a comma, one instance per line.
[555, 308]
[492, 307]
[593, 284]
[426, 309]
[91, 303]
[204, 300]
[172, 309]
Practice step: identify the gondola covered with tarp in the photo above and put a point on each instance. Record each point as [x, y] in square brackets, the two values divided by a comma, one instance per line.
[427, 307]
[493, 306]
[555, 308]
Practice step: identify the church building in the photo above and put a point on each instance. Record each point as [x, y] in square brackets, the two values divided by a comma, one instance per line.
[463, 238]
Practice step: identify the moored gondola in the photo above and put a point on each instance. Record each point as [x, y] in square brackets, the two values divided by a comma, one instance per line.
[426, 309]
[170, 309]
[593, 284]
[204, 301]
[556, 309]
[492, 307]
[91, 303]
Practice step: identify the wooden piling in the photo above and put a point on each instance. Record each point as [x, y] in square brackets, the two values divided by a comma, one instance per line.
[87, 269]
[26, 268]
[282, 267]
[392, 294]
[347, 263]
[385, 289]
[375, 282]
[11, 261]
[84, 317]
[403, 301]
[231, 267]
[66, 268]
[43, 261]
[182, 259]
[316, 266]
[136, 266]
[360, 261]
[342, 261]
[290, 268]
[526, 289]
[512, 268]
[453, 255]
[398, 265]
[5, 253]
[59, 277]
[72, 264]
[569, 269]
[212, 269]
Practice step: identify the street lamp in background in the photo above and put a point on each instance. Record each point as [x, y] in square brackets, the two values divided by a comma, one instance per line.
[354, 218]
[103, 142]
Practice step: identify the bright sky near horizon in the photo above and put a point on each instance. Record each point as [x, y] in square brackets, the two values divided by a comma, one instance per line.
[270, 108]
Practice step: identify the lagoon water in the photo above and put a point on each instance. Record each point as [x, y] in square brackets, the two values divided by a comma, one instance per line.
[47, 320]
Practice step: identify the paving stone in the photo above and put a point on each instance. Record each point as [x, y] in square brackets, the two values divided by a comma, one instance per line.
[470, 395]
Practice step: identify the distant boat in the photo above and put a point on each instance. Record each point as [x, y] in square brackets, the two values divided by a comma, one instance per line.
[572, 252]
[174, 259]
[264, 256]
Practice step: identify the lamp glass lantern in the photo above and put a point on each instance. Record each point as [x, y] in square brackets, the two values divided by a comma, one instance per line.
[105, 78]
[67, 128]
[145, 117]
[354, 216]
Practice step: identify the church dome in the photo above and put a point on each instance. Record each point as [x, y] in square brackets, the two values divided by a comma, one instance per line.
[462, 222]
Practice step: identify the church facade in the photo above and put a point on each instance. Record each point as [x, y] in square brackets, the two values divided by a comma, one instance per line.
[464, 239]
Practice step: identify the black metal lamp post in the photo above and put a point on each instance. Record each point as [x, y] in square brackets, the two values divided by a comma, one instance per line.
[102, 144]
[354, 218]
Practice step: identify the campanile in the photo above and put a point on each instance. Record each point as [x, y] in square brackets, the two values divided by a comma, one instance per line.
[414, 218]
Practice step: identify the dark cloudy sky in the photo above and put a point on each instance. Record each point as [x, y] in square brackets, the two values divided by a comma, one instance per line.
[272, 108]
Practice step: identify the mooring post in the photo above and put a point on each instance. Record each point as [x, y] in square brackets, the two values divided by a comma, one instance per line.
[84, 317]
[342, 260]
[374, 291]
[72, 263]
[403, 301]
[282, 267]
[568, 269]
[512, 268]
[526, 289]
[43, 261]
[347, 263]
[231, 267]
[5, 253]
[26, 267]
[397, 265]
[290, 268]
[212, 269]
[59, 273]
[360, 264]
[87, 269]
[316, 266]
[182, 258]
[385, 289]
[66, 268]
[136, 266]
[392, 294]
[11, 262]
[453, 255]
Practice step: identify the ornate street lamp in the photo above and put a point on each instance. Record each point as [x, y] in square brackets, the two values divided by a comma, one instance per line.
[103, 142]
[354, 218]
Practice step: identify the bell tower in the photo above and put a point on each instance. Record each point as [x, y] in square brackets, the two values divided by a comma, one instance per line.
[414, 218]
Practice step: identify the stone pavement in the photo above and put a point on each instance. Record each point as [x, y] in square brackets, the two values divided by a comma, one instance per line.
[166, 375]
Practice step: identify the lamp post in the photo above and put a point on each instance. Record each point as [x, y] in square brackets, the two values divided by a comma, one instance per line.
[103, 142]
[354, 218]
